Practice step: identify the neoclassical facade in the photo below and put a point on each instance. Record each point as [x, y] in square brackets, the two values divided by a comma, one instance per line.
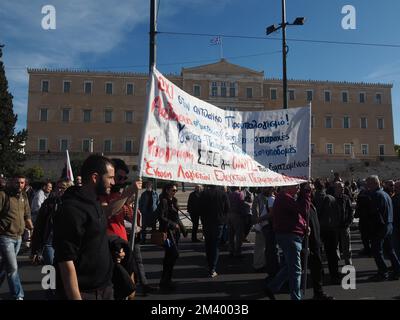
[85, 111]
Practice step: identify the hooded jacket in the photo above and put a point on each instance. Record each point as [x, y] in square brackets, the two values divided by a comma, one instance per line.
[80, 235]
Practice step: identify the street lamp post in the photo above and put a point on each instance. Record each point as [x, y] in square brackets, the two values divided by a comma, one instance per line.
[272, 28]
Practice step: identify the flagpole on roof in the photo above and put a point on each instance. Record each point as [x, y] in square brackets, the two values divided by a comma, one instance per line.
[221, 48]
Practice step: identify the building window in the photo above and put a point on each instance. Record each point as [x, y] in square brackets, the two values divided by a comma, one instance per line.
[345, 96]
[362, 97]
[328, 122]
[128, 116]
[232, 90]
[45, 85]
[329, 148]
[43, 114]
[347, 149]
[129, 89]
[66, 86]
[380, 123]
[364, 149]
[42, 145]
[63, 144]
[327, 95]
[88, 87]
[87, 115]
[363, 123]
[312, 148]
[223, 89]
[214, 89]
[108, 116]
[86, 145]
[291, 94]
[312, 121]
[309, 94]
[274, 94]
[378, 98]
[128, 146]
[65, 114]
[109, 88]
[249, 92]
[107, 145]
[346, 122]
[381, 149]
[196, 90]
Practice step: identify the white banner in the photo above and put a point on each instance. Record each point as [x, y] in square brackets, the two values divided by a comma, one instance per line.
[189, 140]
[279, 139]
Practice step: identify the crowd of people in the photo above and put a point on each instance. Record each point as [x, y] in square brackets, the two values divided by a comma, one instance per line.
[88, 232]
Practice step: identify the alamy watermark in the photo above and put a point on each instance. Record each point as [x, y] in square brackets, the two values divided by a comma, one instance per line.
[349, 280]
[349, 21]
[49, 280]
[49, 20]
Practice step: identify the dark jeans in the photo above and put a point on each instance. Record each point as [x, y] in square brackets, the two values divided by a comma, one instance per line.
[272, 259]
[101, 294]
[170, 257]
[330, 239]
[248, 224]
[195, 225]
[364, 235]
[138, 267]
[291, 245]
[213, 235]
[377, 251]
[316, 269]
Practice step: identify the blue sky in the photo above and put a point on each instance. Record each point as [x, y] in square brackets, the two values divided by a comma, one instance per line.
[113, 35]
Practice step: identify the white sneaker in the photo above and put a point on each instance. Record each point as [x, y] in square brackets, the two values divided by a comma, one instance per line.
[213, 274]
[19, 298]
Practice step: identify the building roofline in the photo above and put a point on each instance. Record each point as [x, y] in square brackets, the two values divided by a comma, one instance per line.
[86, 72]
[300, 81]
[142, 74]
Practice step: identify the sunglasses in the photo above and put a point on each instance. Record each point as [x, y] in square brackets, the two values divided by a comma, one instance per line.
[122, 178]
[174, 190]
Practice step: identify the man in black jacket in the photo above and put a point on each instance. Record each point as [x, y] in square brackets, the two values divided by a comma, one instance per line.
[214, 209]
[82, 255]
[345, 213]
[314, 246]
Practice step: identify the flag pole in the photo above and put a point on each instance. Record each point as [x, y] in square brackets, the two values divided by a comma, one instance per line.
[70, 174]
[221, 48]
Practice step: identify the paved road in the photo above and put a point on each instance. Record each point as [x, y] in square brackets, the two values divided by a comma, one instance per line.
[236, 280]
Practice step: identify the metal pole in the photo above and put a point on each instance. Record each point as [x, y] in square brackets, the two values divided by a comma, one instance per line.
[284, 51]
[152, 63]
[153, 32]
[153, 47]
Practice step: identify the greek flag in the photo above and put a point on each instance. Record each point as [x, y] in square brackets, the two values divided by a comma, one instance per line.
[215, 41]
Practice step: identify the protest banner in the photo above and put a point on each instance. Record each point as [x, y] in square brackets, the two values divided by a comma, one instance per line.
[189, 140]
[277, 139]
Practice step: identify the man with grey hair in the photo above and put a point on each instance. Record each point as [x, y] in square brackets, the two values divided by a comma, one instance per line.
[380, 222]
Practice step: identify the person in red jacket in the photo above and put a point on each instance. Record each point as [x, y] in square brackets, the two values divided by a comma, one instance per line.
[289, 220]
[117, 214]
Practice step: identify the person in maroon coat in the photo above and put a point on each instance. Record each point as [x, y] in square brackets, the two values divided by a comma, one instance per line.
[289, 221]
